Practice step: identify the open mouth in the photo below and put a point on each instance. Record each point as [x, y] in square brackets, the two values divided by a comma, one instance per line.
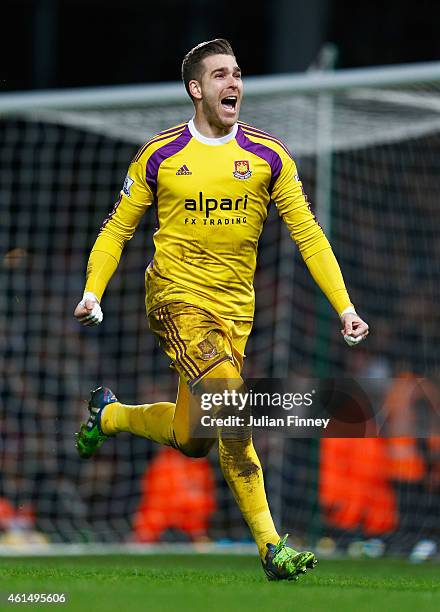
[229, 103]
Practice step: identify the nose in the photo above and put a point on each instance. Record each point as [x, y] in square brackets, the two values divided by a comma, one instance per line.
[233, 81]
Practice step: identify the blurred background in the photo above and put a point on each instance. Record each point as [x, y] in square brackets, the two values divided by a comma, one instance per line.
[75, 43]
[368, 155]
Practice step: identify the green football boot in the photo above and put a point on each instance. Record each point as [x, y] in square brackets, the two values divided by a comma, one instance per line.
[284, 563]
[90, 437]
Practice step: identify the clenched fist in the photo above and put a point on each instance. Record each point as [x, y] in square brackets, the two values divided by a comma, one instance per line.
[88, 311]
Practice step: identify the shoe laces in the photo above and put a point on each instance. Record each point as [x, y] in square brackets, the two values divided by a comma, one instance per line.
[283, 555]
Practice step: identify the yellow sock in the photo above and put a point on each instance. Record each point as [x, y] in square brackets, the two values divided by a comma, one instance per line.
[243, 473]
[152, 421]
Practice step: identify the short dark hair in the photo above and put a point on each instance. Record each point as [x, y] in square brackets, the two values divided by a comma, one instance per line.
[192, 62]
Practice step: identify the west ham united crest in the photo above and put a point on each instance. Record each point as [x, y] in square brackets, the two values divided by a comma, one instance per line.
[242, 170]
[207, 349]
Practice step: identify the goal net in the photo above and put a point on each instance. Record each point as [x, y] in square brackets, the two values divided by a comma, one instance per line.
[367, 145]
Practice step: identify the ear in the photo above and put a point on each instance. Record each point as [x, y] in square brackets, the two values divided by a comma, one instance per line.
[195, 89]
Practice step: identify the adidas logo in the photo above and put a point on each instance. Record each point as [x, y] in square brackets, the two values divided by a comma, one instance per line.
[183, 170]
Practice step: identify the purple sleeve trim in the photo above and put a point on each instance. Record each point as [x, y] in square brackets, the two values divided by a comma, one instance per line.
[171, 148]
[109, 216]
[265, 136]
[266, 153]
[156, 139]
[174, 129]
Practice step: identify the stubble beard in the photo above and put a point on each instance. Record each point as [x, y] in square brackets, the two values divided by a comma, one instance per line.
[214, 118]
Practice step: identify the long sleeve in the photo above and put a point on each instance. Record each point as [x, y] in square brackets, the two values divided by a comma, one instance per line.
[120, 225]
[315, 249]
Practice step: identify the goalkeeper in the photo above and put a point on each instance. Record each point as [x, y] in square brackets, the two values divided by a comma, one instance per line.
[211, 180]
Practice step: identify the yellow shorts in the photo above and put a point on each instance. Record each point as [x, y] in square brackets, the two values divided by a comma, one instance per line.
[197, 340]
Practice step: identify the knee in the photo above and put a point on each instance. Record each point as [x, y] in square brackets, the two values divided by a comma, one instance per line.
[195, 448]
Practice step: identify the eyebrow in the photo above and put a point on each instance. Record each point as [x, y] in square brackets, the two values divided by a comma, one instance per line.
[224, 68]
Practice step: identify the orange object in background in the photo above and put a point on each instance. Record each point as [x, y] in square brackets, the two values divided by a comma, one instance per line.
[407, 463]
[356, 475]
[7, 513]
[354, 487]
[177, 493]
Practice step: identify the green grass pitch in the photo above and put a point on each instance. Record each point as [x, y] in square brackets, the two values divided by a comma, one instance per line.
[212, 583]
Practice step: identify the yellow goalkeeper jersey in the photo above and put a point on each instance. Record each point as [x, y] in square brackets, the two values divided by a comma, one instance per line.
[211, 197]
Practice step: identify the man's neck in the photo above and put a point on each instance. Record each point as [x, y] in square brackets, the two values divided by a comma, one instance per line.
[209, 130]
